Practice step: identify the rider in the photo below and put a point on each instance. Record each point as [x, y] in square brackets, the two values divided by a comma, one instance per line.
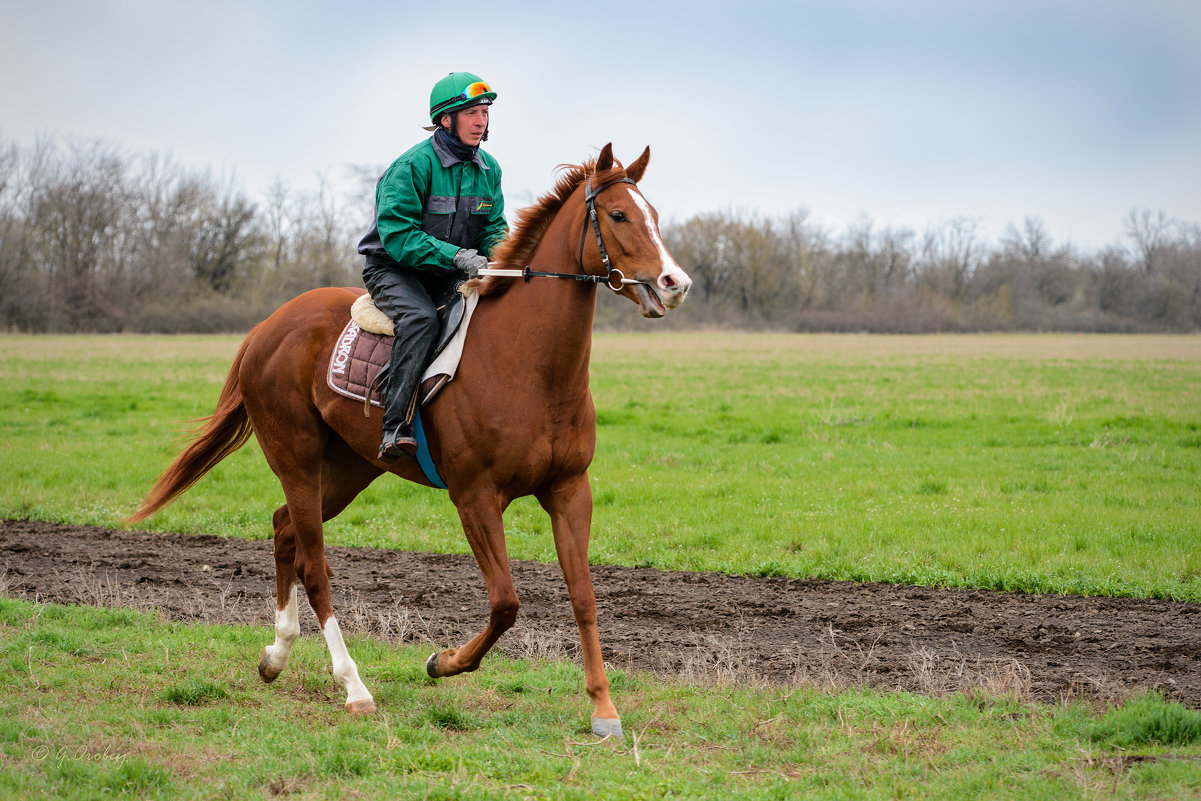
[438, 214]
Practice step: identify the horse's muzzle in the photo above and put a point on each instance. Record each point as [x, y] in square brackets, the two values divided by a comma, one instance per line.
[672, 287]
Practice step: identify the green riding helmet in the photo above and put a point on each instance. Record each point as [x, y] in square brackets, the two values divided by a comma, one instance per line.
[458, 91]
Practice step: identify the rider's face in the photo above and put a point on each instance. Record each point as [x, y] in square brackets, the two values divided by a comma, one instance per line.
[470, 124]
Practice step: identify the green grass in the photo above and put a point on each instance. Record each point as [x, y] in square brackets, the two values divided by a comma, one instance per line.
[1149, 720]
[1067, 464]
[102, 703]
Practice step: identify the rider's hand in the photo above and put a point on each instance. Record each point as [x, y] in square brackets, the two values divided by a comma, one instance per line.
[470, 262]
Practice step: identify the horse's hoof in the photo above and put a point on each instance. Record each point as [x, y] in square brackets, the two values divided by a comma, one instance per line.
[431, 666]
[608, 727]
[364, 707]
[266, 672]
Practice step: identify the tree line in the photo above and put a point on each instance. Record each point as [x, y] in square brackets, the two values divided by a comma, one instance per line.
[93, 239]
[796, 275]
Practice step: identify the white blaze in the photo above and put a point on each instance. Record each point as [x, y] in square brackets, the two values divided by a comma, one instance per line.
[665, 258]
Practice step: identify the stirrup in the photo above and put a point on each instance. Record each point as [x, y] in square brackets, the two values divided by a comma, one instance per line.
[397, 444]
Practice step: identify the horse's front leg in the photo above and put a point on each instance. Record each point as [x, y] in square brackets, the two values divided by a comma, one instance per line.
[484, 527]
[569, 504]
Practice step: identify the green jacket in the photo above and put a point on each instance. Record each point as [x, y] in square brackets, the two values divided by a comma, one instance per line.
[429, 205]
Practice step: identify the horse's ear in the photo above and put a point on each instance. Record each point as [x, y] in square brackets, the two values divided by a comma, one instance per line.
[605, 160]
[636, 170]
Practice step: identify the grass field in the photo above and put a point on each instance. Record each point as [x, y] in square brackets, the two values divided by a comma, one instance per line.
[1041, 463]
[1061, 463]
[102, 703]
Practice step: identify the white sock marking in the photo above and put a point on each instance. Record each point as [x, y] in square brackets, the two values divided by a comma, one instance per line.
[345, 669]
[287, 629]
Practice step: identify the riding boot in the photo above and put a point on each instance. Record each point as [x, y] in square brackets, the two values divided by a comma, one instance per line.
[400, 406]
[403, 296]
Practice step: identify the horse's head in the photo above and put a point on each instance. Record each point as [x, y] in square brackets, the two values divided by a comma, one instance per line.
[626, 228]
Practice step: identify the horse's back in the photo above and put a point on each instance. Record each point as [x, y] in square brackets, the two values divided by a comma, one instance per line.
[318, 309]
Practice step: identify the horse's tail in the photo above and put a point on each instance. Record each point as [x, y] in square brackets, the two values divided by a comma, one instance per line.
[223, 432]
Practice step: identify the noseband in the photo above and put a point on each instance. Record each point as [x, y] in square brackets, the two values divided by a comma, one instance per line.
[612, 278]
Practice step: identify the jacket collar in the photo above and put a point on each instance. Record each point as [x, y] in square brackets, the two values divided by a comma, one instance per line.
[447, 158]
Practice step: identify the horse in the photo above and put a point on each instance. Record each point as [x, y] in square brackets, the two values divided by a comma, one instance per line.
[517, 420]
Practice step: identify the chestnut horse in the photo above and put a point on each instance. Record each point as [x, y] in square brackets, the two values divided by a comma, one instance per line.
[517, 420]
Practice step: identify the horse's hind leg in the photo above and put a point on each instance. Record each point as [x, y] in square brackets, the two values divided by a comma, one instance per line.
[344, 475]
[300, 554]
[274, 658]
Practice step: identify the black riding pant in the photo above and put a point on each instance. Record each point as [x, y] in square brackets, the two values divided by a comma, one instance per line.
[411, 299]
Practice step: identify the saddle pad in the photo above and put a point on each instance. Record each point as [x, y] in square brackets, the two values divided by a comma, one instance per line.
[357, 360]
[360, 355]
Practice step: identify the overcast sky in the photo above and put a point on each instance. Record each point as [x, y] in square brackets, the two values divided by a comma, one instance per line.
[911, 113]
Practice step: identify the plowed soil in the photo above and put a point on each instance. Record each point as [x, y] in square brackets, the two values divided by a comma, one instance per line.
[703, 626]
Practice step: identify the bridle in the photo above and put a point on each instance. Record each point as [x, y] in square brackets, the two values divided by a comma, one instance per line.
[611, 274]
[613, 278]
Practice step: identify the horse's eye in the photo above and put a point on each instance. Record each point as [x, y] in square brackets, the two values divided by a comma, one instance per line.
[617, 216]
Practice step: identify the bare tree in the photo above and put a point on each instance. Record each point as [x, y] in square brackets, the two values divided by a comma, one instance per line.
[223, 239]
[804, 251]
[15, 240]
[1031, 244]
[77, 214]
[877, 262]
[169, 204]
[1150, 235]
[745, 272]
[277, 223]
[950, 252]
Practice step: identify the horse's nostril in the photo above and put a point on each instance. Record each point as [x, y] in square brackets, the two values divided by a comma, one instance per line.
[667, 282]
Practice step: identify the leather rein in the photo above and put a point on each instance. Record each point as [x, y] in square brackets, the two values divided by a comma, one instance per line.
[613, 278]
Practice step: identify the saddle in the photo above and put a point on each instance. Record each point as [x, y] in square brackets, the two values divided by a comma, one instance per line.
[365, 345]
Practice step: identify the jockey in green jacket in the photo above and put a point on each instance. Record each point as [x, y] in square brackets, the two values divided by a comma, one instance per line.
[438, 214]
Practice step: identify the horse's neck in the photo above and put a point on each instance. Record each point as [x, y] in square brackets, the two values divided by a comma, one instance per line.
[547, 322]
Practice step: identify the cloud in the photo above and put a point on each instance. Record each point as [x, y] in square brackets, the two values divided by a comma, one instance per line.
[1071, 111]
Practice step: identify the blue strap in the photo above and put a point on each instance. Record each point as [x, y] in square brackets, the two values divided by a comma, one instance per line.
[424, 459]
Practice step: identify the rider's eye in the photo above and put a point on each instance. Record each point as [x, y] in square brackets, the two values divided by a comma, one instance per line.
[617, 216]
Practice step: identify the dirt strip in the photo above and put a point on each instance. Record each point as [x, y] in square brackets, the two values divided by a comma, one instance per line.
[703, 626]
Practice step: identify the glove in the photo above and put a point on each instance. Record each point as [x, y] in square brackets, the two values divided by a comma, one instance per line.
[470, 262]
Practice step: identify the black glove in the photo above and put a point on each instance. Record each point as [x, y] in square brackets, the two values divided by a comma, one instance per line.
[470, 262]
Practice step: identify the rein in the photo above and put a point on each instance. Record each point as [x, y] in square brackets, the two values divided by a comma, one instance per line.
[613, 278]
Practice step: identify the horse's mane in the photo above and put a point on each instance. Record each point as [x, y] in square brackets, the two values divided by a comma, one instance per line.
[515, 250]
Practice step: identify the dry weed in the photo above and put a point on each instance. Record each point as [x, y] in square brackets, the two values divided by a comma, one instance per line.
[8, 586]
[538, 643]
[935, 675]
[93, 588]
[1097, 691]
[395, 624]
[722, 659]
